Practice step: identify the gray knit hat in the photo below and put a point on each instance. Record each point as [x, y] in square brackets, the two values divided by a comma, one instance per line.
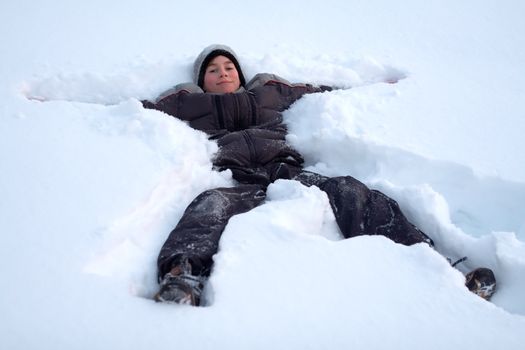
[208, 54]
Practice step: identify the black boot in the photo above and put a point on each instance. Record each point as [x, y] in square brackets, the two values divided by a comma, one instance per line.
[179, 286]
[482, 282]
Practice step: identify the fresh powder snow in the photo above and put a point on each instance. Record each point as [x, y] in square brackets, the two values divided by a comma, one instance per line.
[427, 109]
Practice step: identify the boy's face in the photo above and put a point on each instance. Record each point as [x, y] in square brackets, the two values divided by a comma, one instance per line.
[221, 76]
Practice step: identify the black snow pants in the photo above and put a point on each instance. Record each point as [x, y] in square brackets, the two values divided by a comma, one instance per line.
[357, 209]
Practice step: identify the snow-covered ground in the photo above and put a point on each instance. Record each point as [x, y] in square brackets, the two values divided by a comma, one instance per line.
[91, 183]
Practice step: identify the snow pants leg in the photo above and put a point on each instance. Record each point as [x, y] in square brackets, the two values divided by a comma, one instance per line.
[361, 211]
[196, 236]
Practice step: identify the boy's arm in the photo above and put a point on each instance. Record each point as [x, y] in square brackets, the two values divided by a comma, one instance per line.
[167, 101]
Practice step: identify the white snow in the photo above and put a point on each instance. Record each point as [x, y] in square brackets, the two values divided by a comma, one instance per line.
[91, 183]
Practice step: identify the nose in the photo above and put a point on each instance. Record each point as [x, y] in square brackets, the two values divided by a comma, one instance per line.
[223, 72]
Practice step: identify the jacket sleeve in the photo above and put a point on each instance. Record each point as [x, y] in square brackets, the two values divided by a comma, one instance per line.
[288, 91]
[168, 101]
[293, 92]
[167, 105]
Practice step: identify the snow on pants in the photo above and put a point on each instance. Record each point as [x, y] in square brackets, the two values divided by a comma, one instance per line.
[196, 236]
[357, 209]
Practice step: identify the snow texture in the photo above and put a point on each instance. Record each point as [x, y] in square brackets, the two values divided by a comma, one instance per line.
[429, 111]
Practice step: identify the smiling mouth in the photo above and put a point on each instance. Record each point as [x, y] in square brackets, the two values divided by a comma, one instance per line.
[224, 82]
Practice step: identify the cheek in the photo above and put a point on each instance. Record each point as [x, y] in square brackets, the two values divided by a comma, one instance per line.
[209, 79]
[235, 77]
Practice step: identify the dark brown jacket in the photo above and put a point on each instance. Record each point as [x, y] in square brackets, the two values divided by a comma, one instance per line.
[247, 124]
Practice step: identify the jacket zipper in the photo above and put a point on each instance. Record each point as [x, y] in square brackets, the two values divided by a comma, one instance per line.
[220, 113]
[253, 106]
[251, 146]
[236, 117]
